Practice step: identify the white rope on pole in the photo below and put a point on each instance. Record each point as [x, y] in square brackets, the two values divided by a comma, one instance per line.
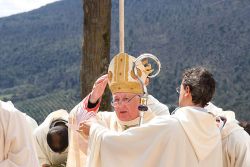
[121, 25]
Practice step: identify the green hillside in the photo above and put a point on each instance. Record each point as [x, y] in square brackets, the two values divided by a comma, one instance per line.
[40, 50]
[40, 58]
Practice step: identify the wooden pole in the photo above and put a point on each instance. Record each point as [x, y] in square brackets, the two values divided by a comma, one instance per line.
[121, 25]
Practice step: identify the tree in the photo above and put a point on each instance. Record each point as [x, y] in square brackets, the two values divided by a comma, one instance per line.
[96, 45]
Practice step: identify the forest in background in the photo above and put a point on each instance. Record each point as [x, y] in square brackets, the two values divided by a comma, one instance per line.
[40, 51]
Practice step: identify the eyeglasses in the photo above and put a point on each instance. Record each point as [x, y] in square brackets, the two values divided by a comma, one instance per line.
[178, 90]
[125, 100]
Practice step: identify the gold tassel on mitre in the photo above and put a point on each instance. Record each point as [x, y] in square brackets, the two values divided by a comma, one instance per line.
[121, 76]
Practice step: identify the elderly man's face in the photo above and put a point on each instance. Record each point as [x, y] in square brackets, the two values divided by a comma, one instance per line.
[126, 105]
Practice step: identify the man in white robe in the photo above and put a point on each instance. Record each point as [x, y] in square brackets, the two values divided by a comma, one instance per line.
[189, 138]
[32, 122]
[17, 148]
[235, 140]
[126, 100]
[47, 156]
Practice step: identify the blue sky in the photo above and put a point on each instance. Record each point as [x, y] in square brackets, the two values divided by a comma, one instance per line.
[10, 7]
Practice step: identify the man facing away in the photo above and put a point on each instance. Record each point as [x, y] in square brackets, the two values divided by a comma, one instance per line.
[189, 138]
[17, 147]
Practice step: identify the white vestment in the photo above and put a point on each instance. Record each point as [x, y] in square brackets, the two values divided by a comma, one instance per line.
[33, 124]
[78, 143]
[190, 138]
[45, 154]
[235, 140]
[17, 148]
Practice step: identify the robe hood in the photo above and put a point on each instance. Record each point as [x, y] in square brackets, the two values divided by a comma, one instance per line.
[200, 127]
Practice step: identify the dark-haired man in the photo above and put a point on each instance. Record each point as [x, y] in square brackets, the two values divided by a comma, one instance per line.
[51, 139]
[189, 138]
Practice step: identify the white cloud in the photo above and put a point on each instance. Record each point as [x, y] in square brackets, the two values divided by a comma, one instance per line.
[10, 7]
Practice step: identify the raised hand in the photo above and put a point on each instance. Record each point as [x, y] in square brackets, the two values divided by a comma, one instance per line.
[98, 88]
[84, 127]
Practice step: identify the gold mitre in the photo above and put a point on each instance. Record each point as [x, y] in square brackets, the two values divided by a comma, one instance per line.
[121, 76]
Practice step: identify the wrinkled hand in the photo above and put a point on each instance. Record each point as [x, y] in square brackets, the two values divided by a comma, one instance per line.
[98, 88]
[84, 127]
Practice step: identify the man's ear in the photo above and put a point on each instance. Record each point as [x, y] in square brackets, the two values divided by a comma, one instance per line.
[187, 91]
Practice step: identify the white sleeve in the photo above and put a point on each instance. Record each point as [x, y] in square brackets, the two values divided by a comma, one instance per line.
[242, 148]
[156, 107]
[39, 143]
